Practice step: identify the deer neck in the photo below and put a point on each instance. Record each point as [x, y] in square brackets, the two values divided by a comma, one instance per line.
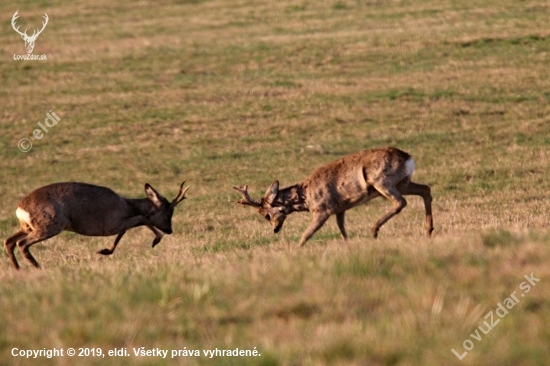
[139, 206]
[293, 198]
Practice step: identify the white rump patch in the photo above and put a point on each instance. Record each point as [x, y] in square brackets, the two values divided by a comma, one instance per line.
[23, 215]
[409, 167]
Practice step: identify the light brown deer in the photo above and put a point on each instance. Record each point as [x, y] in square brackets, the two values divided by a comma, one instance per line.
[336, 187]
[89, 210]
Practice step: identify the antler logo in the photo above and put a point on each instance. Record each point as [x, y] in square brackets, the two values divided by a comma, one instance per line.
[29, 40]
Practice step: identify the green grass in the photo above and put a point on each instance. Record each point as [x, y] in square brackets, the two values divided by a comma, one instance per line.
[225, 93]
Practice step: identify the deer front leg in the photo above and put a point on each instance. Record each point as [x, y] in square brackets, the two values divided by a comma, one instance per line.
[129, 224]
[318, 220]
[109, 251]
[340, 221]
[158, 234]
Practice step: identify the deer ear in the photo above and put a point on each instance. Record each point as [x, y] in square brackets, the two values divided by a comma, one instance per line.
[272, 192]
[153, 195]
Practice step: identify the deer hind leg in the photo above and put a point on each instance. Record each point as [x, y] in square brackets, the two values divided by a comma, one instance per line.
[340, 221]
[31, 239]
[415, 189]
[10, 243]
[108, 251]
[398, 201]
[318, 220]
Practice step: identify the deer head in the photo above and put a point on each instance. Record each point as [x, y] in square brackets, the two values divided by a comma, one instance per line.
[161, 214]
[29, 40]
[273, 211]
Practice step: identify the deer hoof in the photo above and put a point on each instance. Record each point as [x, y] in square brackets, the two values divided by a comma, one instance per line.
[105, 251]
[156, 241]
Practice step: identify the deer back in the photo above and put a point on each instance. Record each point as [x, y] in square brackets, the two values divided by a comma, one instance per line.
[350, 181]
[83, 208]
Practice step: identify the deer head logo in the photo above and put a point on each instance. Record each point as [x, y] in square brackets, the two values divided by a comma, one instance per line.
[29, 41]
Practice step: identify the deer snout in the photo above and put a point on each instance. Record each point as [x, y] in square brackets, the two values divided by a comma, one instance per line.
[277, 225]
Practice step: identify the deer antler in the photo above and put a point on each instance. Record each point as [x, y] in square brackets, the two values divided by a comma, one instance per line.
[43, 26]
[181, 195]
[13, 19]
[246, 200]
[24, 34]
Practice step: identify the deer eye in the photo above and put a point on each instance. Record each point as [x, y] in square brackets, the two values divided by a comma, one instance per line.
[267, 216]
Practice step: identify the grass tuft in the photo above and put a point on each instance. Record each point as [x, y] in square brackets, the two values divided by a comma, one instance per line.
[499, 238]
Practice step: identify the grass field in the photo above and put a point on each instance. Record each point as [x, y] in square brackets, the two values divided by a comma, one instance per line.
[235, 92]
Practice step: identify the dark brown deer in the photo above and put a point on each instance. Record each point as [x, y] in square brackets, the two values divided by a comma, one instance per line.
[89, 210]
[336, 187]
